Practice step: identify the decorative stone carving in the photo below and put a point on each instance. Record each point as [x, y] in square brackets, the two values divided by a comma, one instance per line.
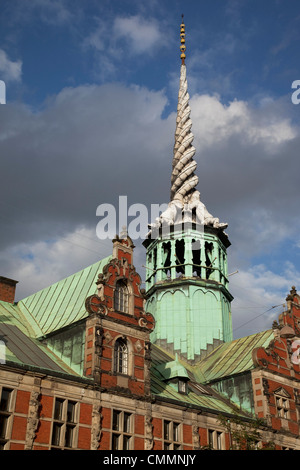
[265, 385]
[95, 305]
[149, 440]
[148, 351]
[107, 337]
[196, 437]
[32, 420]
[98, 340]
[138, 346]
[142, 322]
[96, 426]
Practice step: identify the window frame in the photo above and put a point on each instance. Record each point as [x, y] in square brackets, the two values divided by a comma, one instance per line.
[64, 429]
[7, 414]
[215, 439]
[182, 386]
[282, 406]
[121, 356]
[122, 423]
[121, 296]
[172, 435]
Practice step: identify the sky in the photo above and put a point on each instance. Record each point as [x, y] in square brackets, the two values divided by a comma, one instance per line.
[89, 116]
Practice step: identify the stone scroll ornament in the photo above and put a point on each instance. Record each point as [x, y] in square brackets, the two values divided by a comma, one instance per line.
[94, 304]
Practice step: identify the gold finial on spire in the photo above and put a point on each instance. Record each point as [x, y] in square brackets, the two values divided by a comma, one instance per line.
[182, 40]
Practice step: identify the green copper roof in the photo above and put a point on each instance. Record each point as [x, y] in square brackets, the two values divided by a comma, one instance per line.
[20, 349]
[199, 396]
[226, 361]
[11, 314]
[172, 369]
[209, 402]
[50, 310]
[62, 303]
[231, 358]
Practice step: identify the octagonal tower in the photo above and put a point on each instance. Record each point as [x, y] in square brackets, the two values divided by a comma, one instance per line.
[186, 268]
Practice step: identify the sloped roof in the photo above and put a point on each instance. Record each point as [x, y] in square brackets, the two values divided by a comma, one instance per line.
[63, 304]
[172, 369]
[198, 395]
[20, 349]
[228, 359]
[231, 358]
[52, 308]
[56, 306]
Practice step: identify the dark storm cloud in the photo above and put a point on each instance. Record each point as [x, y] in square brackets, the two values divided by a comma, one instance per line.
[88, 146]
[91, 144]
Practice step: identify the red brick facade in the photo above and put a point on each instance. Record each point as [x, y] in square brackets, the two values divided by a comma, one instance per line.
[106, 325]
[277, 377]
[112, 408]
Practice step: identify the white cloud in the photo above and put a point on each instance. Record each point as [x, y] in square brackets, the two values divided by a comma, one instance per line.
[9, 70]
[97, 38]
[114, 40]
[259, 296]
[54, 11]
[216, 123]
[91, 144]
[45, 262]
[143, 34]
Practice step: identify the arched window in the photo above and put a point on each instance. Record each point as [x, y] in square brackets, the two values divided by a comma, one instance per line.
[121, 356]
[121, 297]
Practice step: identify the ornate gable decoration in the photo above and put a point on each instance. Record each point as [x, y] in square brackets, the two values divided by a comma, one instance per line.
[119, 269]
[282, 392]
[283, 353]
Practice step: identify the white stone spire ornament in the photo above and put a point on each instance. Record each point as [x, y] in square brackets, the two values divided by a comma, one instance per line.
[183, 178]
[185, 204]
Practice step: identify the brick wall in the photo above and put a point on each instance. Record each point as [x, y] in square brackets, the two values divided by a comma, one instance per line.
[7, 289]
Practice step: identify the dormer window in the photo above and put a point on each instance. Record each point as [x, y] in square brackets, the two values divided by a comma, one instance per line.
[175, 374]
[182, 386]
[121, 297]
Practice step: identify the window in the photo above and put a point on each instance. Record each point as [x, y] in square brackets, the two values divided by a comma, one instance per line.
[182, 386]
[282, 407]
[121, 430]
[5, 414]
[121, 356]
[121, 297]
[215, 439]
[172, 435]
[64, 424]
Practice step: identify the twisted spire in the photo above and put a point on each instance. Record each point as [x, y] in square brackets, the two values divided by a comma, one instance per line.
[185, 204]
[183, 180]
